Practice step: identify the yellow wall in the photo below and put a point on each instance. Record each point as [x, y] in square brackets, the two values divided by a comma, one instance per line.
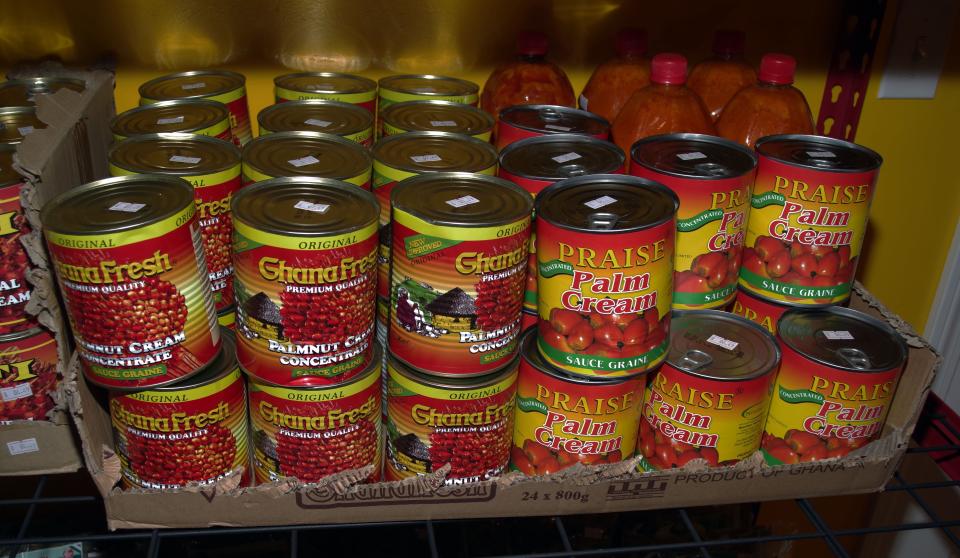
[918, 200]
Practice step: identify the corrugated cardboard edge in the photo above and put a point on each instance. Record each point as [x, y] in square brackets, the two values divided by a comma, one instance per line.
[52, 160]
[615, 487]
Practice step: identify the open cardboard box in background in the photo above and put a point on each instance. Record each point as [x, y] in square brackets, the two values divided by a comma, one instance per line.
[70, 151]
[578, 490]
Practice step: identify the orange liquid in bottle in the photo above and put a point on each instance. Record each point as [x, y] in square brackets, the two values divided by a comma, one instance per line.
[614, 81]
[718, 79]
[666, 106]
[529, 79]
[770, 106]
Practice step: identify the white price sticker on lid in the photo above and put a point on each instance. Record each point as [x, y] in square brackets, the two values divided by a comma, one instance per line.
[127, 207]
[557, 127]
[19, 391]
[312, 207]
[442, 123]
[566, 157]
[838, 335]
[821, 154]
[691, 156]
[25, 130]
[18, 447]
[189, 86]
[602, 201]
[304, 161]
[170, 120]
[428, 158]
[316, 122]
[723, 342]
[185, 160]
[465, 200]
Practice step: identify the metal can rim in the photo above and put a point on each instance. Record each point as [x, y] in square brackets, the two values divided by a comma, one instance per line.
[469, 86]
[878, 159]
[444, 381]
[415, 180]
[116, 121]
[881, 325]
[24, 334]
[369, 83]
[557, 137]
[703, 138]
[280, 136]
[78, 191]
[412, 136]
[543, 197]
[146, 86]
[233, 150]
[366, 123]
[387, 113]
[729, 317]
[586, 115]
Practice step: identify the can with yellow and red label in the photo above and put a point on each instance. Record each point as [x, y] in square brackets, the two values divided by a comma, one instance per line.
[839, 373]
[329, 86]
[709, 400]
[351, 122]
[15, 291]
[189, 116]
[713, 178]
[563, 419]
[605, 248]
[526, 121]
[460, 244]
[810, 204]
[28, 374]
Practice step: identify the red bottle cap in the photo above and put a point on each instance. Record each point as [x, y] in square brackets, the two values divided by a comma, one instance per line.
[532, 43]
[777, 69]
[669, 69]
[729, 43]
[631, 42]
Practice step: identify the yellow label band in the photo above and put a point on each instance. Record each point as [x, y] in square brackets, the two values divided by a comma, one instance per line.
[125, 238]
[310, 244]
[460, 233]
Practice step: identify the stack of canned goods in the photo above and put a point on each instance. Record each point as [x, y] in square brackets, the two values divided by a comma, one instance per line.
[401, 311]
[28, 352]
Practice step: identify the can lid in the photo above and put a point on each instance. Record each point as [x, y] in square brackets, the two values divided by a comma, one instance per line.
[17, 122]
[183, 115]
[778, 69]
[305, 207]
[25, 334]
[720, 346]
[8, 175]
[324, 82]
[460, 199]
[222, 365]
[21, 92]
[531, 354]
[606, 203]
[668, 68]
[453, 383]
[696, 156]
[559, 156]
[435, 152]
[185, 155]
[190, 85]
[117, 204]
[440, 116]
[306, 154]
[819, 153]
[316, 115]
[842, 338]
[555, 119]
[429, 85]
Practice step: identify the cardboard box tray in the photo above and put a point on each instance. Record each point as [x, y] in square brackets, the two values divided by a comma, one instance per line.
[577, 490]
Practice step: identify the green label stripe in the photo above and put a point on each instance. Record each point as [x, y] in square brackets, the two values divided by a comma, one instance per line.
[128, 374]
[554, 268]
[329, 371]
[531, 405]
[530, 299]
[242, 243]
[697, 221]
[620, 366]
[500, 353]
[771, 460]
[837, 292]
[702, 299]
[421, 244]
[769, 198]
[379, 179]
[645, 465]
[800, 396]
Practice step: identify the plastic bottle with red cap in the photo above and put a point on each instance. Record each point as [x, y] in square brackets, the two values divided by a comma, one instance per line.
[527, 80]
[614, 81]
[771, 106]
[718, 79]
[666, 106]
